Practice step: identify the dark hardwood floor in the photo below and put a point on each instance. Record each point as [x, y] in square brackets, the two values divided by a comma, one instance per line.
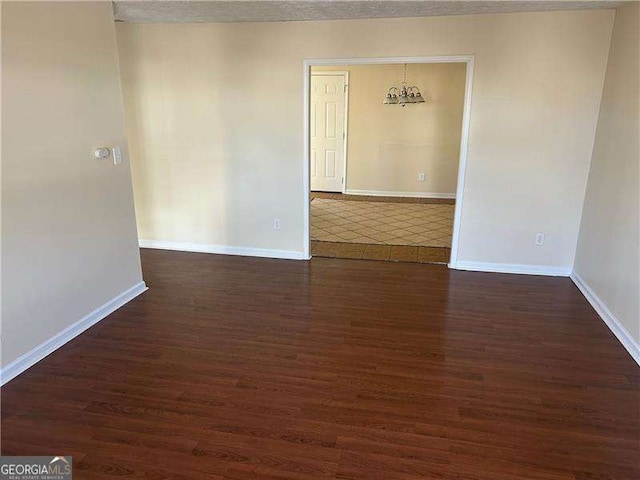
[242, 368]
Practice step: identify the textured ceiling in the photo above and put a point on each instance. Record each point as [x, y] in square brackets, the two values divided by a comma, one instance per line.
[162, 11]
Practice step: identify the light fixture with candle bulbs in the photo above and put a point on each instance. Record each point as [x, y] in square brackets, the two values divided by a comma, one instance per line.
[403, 94]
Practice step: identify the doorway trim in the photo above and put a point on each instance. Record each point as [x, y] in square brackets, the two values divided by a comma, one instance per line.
[464, 137]
[345, 139]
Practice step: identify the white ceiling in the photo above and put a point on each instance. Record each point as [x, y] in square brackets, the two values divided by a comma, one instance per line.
[163, 11]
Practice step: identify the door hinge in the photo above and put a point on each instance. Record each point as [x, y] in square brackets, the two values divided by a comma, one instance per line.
[343, 180]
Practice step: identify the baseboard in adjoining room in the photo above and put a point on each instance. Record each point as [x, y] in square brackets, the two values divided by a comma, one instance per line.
[222, 249]
[47, 347]
[607, 316]
[547, 270]
[384, 193]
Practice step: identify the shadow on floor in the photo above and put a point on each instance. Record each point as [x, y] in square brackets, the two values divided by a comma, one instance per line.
[391, 253]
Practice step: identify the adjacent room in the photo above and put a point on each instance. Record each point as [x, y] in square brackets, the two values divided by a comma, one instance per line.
[384, 154]
[293, 240]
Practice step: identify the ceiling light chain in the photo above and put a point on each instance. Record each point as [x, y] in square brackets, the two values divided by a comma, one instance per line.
[403, 94]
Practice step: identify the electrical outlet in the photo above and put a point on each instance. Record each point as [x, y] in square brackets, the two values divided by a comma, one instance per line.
[421, 177]
[539, 238]
[276, 224]
[117, 155]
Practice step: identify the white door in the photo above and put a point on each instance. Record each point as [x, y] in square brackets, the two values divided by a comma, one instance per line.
[327, 131]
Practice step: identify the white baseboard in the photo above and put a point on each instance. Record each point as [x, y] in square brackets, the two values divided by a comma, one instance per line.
[223, 249]
[547, 270]
[625, 338]
[36, 354]
[383, 193]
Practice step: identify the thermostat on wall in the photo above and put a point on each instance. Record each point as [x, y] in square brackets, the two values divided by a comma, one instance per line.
[103, 152]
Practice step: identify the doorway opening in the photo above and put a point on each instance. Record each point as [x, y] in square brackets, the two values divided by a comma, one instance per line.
[384, 168]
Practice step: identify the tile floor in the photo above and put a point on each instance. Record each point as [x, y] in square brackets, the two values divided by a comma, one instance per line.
[381, 228]
[421, 225]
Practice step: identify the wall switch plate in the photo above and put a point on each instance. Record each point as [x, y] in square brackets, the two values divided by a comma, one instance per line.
[117, 155]
[421, 177]
[276, 224]
[539, 238]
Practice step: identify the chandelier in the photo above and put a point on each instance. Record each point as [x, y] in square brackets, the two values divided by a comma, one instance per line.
[403, 94]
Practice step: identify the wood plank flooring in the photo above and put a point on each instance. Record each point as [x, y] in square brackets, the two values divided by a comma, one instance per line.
[241, 368]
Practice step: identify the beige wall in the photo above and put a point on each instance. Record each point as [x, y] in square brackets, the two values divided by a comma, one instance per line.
[68, 227]
[608, 257]
[215, 113]
[389, 145]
